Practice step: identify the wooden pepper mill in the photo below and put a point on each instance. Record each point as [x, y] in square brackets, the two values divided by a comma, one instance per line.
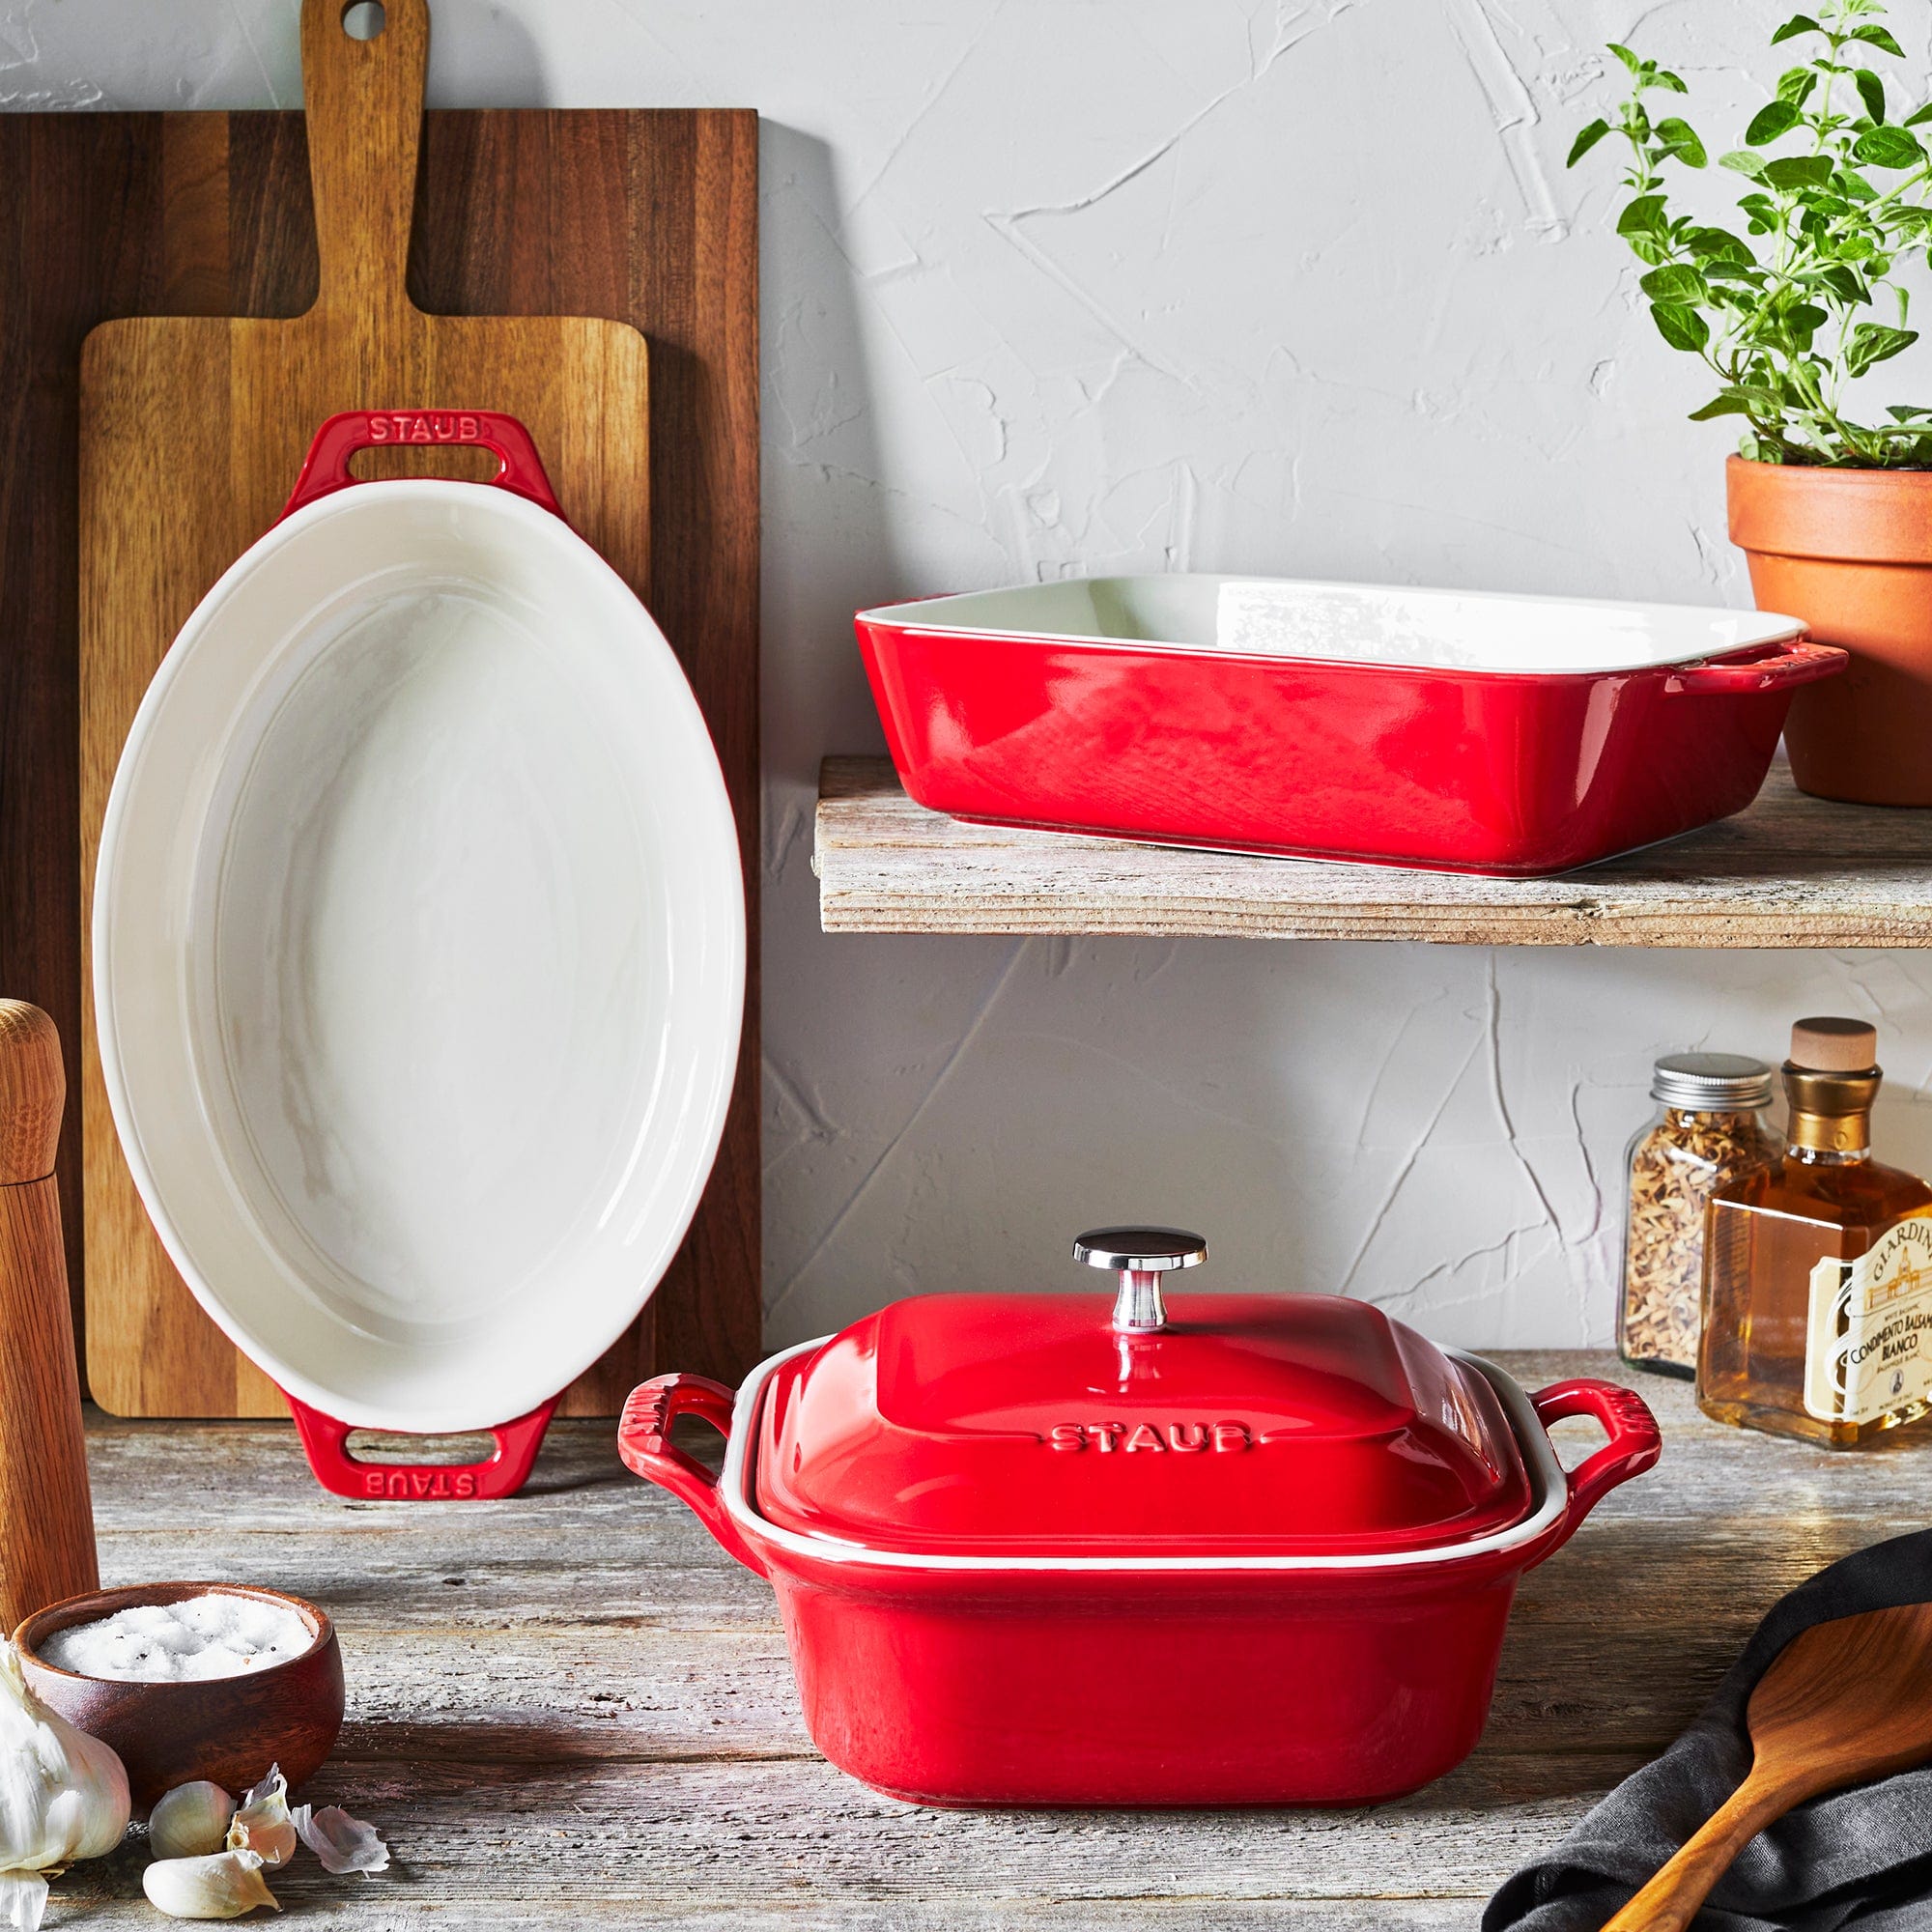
[47, 1515]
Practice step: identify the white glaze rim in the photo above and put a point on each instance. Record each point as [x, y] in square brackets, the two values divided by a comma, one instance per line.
[1396, 626]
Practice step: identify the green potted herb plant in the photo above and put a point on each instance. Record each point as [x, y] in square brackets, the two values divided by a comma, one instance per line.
[1789, 308]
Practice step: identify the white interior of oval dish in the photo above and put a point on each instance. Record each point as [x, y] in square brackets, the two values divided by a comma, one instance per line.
[1352, 623]
[419, 955]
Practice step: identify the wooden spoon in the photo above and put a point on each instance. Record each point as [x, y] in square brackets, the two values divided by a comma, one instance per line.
[1843, 1702]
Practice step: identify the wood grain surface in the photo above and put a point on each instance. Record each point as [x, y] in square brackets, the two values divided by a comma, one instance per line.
[33, 1092]
[572, 1708]
[643, 217]
[47, 1523]
[1792, 871]
[192, 429]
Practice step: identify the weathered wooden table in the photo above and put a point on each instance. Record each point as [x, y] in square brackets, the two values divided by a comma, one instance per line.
[571, 1709]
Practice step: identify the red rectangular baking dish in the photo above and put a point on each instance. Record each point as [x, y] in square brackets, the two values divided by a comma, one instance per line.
[1446, 729]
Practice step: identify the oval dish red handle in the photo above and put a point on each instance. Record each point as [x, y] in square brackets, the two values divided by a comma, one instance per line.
[325, 1443]
[325, 468]
[1798, 661]
[643, 1443]
[1635, 1446]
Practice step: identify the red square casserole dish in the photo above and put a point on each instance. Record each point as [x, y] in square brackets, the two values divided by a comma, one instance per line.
[1454, 730]
[1254, 1549]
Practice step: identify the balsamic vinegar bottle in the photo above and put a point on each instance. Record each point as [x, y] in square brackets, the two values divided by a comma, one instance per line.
[1818, 1269]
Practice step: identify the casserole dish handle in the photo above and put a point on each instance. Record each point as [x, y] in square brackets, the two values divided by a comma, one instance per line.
[1634, 1444]
[1783, 668]
[325, 468]
[644, 1442]
[325, 1443]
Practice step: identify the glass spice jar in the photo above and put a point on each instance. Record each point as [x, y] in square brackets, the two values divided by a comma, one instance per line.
[1710, 1130]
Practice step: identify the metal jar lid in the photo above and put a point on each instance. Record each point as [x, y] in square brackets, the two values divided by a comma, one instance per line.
[1710, 1083]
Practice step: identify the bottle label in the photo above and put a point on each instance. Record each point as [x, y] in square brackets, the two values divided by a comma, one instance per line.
[1868, 1346]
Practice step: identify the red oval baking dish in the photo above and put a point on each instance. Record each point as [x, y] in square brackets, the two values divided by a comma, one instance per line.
[1452, 730]
[1254, 1549]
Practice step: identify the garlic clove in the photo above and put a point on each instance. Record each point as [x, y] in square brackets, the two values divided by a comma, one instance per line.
[191, 1822]
[262, 1823]
[23, 1900]
[63, 1794]
[343, 1844]
[226, 1885]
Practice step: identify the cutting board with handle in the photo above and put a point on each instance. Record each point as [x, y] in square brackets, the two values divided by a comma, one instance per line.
[192, 430]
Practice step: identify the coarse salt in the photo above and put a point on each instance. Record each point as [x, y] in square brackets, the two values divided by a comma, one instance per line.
[212, 1635]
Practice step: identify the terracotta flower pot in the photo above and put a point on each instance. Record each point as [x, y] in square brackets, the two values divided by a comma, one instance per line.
[1850, 552]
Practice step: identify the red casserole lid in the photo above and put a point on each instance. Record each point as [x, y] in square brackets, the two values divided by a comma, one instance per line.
[1234, 1425]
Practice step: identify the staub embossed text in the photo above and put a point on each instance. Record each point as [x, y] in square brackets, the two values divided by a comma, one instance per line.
[1151, 1439]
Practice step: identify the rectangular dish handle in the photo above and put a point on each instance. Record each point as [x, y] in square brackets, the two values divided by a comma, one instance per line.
[644, 1442]
[325, 468]
[1786, 666]
[1635, 1446]
[325, 1443]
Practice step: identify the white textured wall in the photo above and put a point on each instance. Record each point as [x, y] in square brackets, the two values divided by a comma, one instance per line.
[1055, 286]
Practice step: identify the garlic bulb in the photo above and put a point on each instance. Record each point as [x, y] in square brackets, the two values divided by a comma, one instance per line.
[227, 1886]
[262, 1823]
[62, 1795]
[343, 1844]
[191, 1822]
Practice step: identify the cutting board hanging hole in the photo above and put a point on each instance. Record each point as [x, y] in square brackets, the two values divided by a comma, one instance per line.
[364, 19]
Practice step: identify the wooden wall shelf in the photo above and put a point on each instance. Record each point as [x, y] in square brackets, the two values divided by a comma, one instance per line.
[1791, 872]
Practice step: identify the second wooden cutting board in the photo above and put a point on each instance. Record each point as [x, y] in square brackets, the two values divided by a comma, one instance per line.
[192, 432]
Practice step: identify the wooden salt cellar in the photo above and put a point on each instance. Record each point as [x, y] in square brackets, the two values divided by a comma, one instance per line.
[46, 1518]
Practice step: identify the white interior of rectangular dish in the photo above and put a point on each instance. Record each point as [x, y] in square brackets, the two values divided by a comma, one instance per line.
[1352, 623]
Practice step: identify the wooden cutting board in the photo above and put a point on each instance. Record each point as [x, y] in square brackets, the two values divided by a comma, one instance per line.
[191, 431]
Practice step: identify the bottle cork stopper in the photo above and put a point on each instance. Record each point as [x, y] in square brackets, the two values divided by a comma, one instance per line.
[1835, 1046]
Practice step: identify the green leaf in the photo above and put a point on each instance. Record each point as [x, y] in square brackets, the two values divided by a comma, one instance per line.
[1795, 84]
[1887, 148]
[1844, 284]
[1585, 141]
[1919, 120]
[1680, 327]
[1871, 91]
[1875, 36]
[1663, 77]
[1744, 160]
[1773, 118]
[1679, 140]
[1624, 54]
[1799, 23]
[1906, 413]
[1712, 245]
[1675, 283]
[1872, 342]
[1802, 322]
[1726, 402]
[1799, 171]
[1643, 217]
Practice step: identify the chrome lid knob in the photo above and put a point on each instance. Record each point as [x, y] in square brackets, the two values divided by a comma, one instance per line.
[1140, 1255]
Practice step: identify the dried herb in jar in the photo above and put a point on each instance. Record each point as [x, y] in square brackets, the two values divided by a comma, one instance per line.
[1710, 1130]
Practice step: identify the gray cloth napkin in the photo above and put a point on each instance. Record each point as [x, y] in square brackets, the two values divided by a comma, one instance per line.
[1857, 1858]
